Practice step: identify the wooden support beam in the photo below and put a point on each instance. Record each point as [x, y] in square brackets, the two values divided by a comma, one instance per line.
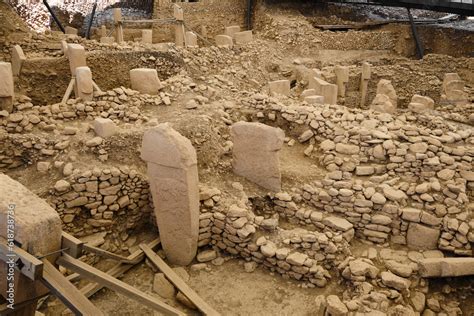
[112, 283]
[67, 292]
[106, 254]
[119, 269]
[73, 246]
[27, 264]
[178, 282]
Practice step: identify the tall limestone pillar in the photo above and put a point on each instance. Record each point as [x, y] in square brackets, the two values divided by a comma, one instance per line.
[173, 177]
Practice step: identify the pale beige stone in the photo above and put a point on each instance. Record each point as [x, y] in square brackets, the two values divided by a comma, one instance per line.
[145, 80]
[107, 40]
[231, 30]
[7, 92]
[422, 237]
[383, 104]
[191, 39]
[147, 36]
[104, 127]
[77, 57]
[420, 104]
[342, 78]
[446, 267]
[173, 176]
[255, 153]
[385, 87]
[224, 40]
[84, 83]
[178, 12]
[70, 30]
[325, 89]
[37, 225]
[18, 57]
[279, 87]
[243, 37]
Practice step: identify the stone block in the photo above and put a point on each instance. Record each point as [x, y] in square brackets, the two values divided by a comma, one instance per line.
[37, 225]
[70, 30]
[385, 87]
[383, 104]
[342, 78]
[446, 267]
[77, 57]
[107, 40]
[421, 104]
[314, 99]
[178, 12]
[7, 92]
[281, 87]
[117, 13]
[84, 84]
[255, 153]
[104, 127]
[173, 176]
[224, 40]
[179, 35]
[18, 57]
[191, 39]
[145, 80]
[421, 237]
[231, 30]
[147, 36]
[325, 89]
[243, 37]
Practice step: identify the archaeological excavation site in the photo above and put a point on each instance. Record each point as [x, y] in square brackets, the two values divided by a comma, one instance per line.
[237, 157]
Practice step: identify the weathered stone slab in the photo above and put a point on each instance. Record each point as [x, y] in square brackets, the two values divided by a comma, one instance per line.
[446, 267]
[281, 87]
[243, 37]
[18, 57]
[422, 237]
[7, 91]
[84, 83]
[107, 40]
[385, 87]
[191, 39]
[173, 176]
[178, 12]
[224, 40]
[104, 127]
[71, 30]
[342, 78]
[77, 57]
[231, 30]
[145, 80]
[325, 89]
[147, 36]
[421, 104]
[255, 153]
[37, 225]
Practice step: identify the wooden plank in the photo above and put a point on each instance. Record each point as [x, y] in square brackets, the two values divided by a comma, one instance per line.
[67, 292]
[73, 246]
[112, 283]
[133, 259]
[119, 269]
[32, 267]
[178, 282]
[106, 254]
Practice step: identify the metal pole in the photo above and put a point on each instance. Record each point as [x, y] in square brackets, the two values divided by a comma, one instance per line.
[88, 33]
[419, 46]
[54, 16]
[248, 19]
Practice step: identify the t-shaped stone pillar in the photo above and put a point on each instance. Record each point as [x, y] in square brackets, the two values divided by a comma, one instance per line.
[173, 177]
[342, 78]
[7, 91]
[255, 153]
[77, 57]
[364, 82]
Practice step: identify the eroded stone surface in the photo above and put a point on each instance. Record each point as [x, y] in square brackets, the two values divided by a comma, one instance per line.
[37, 225]
[255, 153]
[172, 172]
[145, 80]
